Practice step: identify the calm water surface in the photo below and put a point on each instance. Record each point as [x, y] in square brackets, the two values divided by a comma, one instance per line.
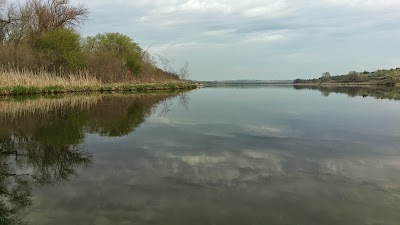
[266, 155]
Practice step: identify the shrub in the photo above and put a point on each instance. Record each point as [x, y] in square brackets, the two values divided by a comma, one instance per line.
[107, 68]
[118, 45]
[17, 56]
[60, 48]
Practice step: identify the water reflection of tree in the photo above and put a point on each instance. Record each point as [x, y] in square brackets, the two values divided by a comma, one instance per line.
[183, 99]
[121, 116]
[378, 92]
[25, 162]
[43, 145]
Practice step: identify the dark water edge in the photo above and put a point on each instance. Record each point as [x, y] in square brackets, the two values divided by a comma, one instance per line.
[22, 90]
[210, 156]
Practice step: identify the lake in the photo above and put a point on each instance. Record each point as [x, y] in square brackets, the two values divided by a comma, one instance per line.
[227, 155]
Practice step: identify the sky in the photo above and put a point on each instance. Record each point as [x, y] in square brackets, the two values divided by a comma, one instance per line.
[257, 39]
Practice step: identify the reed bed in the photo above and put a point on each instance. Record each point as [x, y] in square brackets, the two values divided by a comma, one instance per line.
[25, 82]
[42, 78]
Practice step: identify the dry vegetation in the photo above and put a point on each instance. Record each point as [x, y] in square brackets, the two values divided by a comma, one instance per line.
[16, 77]
[40, 50]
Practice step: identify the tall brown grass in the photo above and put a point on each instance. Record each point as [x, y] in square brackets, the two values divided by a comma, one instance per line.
[20, 65]
[18, 56]
[42, 78]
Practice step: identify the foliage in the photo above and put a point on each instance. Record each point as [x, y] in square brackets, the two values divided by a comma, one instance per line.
[60, 48]
[39, 35]
[118, 45]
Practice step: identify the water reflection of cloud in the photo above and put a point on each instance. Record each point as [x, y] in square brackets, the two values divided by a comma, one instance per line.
[166, 181]
[168, 121]
[169, 179]
[270, 131]
[215, 133]
[382, 171]
[220, 167]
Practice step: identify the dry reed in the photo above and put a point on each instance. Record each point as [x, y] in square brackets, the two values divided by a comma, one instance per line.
[16, 77]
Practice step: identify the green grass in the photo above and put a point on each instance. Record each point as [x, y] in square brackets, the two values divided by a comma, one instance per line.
[54, 89]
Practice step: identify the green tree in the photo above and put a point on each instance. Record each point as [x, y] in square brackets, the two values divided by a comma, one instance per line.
[60, 48]
[120, 46]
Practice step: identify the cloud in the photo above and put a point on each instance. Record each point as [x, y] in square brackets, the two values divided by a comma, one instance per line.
[265, 37]
[219, 32]
[269, 10]
[188, 29]
[164, 48]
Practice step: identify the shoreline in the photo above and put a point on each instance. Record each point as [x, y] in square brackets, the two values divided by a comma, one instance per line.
[347, 84]
[304, 84]
[58, 89]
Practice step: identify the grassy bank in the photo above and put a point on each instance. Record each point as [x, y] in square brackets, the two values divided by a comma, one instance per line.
[17, 82]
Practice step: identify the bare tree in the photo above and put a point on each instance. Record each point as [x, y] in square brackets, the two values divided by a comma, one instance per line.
[166, 64]
[6, 18]
[325, 76]
[21, 23]
[184, 72]
[53, 14]
[34, 17]
[184, 100]
[353, 76]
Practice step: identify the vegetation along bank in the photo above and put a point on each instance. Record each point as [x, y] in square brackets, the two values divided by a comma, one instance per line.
[41, 52]
[388, 77]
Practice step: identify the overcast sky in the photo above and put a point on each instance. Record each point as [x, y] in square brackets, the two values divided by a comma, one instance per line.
[258, 39]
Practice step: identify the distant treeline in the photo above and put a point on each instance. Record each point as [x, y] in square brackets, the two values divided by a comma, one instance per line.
[386, 77]
[381, 92]
[40, 35]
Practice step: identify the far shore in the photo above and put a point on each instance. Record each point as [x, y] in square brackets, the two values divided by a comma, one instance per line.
[365, 84]
[347, 84]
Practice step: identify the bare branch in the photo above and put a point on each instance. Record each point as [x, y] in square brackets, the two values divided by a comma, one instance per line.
[184, 72]
[52, 14]
[8, 18]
